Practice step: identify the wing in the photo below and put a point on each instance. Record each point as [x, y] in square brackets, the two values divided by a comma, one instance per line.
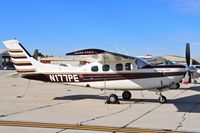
[101, 55]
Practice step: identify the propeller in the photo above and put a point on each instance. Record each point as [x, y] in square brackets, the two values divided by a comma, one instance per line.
[190, 69]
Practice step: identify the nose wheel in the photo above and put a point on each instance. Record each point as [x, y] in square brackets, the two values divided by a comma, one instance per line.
[195, 81]
[162, 99]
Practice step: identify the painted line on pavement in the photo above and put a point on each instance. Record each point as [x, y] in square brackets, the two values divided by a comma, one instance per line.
[81, 127]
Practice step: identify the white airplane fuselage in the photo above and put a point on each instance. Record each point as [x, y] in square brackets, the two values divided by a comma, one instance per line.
[134, 79]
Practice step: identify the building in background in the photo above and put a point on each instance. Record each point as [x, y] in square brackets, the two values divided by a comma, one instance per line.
[181, 60]
[198, 60]
[5, 61]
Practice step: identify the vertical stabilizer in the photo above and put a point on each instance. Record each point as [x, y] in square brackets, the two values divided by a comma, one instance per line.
[20, 57]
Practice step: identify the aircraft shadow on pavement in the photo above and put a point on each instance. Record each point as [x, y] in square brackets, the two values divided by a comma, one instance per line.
[184, 104]
[195, 88]
[188, 104]
[80, 97]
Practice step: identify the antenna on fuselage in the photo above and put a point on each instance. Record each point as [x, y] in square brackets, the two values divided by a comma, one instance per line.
[25, 90]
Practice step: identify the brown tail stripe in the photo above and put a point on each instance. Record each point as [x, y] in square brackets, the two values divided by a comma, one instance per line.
[15, 50]
[25, 70]
[22, 64]
[19, 57]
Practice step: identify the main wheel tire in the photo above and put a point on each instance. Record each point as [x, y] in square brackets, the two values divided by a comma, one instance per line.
[113, 99]
[126, 95]
[162, 99]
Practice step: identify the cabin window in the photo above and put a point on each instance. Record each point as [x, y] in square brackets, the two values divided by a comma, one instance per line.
[105, 67]
[128, 66]
[94, 68]
[119, 67]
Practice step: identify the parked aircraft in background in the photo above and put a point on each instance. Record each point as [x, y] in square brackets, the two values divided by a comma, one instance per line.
[111, 71]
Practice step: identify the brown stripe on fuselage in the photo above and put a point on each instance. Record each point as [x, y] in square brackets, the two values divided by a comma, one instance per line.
[124, 76]
[105, 77]
[164, 66]
[40, 77]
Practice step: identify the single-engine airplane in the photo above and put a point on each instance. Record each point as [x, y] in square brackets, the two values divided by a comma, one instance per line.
[111, 71]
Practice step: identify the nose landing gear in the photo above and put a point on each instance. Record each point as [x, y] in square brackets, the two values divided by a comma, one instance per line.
[195, 81]
[162, 99]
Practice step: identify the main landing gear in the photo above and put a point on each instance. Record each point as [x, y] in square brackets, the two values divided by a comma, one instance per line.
[113, 98]
[126, 95]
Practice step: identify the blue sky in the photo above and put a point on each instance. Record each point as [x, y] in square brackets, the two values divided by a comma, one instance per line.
[134, 27]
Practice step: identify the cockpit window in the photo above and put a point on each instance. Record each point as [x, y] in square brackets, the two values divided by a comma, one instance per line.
[141, 63]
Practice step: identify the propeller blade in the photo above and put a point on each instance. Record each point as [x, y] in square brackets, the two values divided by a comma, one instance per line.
[187, 54]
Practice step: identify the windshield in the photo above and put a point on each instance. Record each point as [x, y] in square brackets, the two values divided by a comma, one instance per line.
[141, 63]
[159, 61]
